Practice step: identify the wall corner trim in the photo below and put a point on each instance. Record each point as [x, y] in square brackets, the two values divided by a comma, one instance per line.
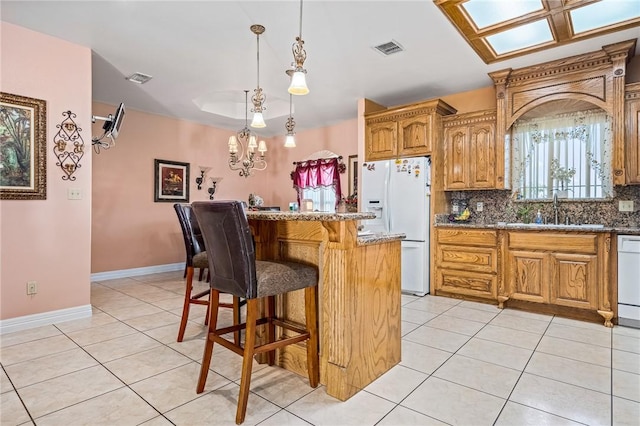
[45, 318]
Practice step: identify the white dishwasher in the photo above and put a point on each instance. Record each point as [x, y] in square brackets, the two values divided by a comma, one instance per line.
[629, 280]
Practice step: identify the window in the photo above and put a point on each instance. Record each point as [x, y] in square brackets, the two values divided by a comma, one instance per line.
[318, 180]
[324, 198]
[566, 154]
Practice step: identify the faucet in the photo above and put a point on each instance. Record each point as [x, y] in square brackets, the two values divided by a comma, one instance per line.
[556, 220]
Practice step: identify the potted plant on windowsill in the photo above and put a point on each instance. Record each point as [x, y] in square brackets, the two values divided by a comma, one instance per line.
[563, 176]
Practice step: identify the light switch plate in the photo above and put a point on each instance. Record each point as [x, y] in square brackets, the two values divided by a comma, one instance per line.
[625, 206]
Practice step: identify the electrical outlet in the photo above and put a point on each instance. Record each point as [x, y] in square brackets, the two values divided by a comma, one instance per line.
[625, 206]
[74, 194]
[455, 209]
[32, 287]
[479, 206]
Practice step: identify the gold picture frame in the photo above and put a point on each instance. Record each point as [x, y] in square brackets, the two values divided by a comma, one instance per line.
[23, 148]
[171, 181]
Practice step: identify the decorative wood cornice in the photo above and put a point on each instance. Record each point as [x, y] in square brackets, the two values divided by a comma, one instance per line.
[632, 91]
[469, 118]
[411, 110]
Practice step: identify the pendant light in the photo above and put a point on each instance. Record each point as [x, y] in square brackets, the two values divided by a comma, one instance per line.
[258, 97]
[290, 140]
[298, 84]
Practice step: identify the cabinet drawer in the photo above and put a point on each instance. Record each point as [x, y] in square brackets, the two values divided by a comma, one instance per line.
[467, 237]
[554, 242]
[466, 283]
[476, 259]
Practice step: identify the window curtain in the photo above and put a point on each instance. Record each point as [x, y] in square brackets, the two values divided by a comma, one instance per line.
[317, 174]
[580, 141]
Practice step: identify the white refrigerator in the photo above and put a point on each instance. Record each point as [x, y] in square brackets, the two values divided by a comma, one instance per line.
[398, 192]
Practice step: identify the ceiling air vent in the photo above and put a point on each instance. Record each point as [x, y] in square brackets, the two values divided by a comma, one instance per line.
[389, 48]
[139, 78]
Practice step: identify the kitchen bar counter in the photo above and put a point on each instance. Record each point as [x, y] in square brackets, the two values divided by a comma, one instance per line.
[359, 293]
[538, 227]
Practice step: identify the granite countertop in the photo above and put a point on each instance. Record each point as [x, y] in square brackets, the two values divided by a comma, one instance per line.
[377, 238]
[537, 227]
[307, 216]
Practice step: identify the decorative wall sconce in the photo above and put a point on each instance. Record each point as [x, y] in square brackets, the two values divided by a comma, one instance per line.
[200, 179]
[68, 146]
[212, 188]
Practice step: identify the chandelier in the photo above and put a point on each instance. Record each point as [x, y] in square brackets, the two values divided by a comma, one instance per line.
[243, 146]
[298, 79]
[258, 97]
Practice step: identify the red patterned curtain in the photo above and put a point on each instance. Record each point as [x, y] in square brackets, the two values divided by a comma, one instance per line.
[323, 172]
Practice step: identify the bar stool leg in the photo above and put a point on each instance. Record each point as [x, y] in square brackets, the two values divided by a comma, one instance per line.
[311, 316]
[236, 319]
[187, 303]
[271, 328]
[247, 361]
[208, 347]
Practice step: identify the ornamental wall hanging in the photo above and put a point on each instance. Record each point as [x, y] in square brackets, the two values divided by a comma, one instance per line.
[68, 146]
[23, 148]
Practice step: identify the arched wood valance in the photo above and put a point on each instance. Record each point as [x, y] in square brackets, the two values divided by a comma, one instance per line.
[596, 78]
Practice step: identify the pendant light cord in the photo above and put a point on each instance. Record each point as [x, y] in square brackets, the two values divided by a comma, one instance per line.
[300, 19]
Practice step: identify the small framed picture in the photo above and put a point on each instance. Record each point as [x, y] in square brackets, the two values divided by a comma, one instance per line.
[353, 174]
[171, 181]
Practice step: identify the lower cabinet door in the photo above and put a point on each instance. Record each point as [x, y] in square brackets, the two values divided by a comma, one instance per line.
[528, 276]
[574, 280]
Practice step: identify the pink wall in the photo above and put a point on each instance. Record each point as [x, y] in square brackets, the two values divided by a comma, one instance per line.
[48, 241]
[130, 230]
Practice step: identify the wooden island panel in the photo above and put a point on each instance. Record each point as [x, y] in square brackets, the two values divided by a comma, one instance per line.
[359, 299]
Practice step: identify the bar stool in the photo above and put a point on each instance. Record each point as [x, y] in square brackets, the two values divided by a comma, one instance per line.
[197, 258]
[235, 270]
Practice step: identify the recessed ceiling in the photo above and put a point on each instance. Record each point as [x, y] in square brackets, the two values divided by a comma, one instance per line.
[503, 29]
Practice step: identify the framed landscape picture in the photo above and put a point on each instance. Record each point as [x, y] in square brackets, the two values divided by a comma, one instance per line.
[171, 181]
[23, 144]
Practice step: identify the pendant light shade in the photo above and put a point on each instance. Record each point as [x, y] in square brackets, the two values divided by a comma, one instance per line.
[290, 141]
[258, 121]
[299, 83]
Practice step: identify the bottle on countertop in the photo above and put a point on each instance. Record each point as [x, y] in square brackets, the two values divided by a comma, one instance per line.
[539, 219]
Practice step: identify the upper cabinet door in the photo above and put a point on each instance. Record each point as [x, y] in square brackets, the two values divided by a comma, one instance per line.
[456, 157]
[414, 136]
[632, 133]
[381, 141]
[482, 156]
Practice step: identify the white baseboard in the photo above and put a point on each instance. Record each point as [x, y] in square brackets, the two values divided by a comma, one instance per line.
[46, 318]
[134, 272]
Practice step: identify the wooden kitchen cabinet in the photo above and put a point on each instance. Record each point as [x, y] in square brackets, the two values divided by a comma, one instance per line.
[466, 263]
[567, 269]
[632, 133]
[404, 131]
[381, 140]
[470, 160]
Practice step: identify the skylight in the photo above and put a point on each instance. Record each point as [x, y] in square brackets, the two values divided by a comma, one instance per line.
[606, 12]
[489, 12]
[503, 29]
[521, 37]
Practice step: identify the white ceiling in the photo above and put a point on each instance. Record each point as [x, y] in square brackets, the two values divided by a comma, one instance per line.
[204, 50]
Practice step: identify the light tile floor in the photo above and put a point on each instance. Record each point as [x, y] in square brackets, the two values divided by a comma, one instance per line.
[463, 363]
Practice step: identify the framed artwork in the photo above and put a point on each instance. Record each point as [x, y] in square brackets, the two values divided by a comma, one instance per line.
[353, 174]
[171, 181]
[23, 148]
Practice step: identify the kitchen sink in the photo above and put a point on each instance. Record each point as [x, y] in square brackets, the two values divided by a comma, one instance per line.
[550, 225]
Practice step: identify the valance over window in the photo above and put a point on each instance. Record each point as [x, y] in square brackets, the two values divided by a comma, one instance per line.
[320, 174]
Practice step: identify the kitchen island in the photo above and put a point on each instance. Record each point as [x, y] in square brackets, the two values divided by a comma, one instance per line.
[358, 293]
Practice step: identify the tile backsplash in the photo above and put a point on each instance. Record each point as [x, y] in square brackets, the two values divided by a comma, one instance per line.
[498, 206]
